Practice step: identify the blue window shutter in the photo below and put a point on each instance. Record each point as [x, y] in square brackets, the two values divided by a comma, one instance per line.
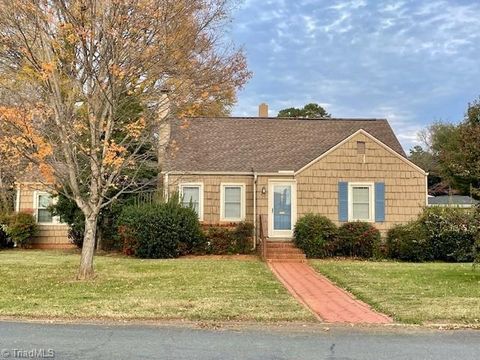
[379, 202]
[343, 201]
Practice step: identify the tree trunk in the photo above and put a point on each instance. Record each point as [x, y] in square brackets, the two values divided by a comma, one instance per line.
[88, 248]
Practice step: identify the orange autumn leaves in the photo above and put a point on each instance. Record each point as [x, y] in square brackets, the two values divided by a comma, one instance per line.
[18, 133]
[114, 155]
[20, 140]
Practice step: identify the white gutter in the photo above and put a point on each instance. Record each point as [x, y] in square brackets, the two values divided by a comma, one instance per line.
[238, 173]
[165, 186]
[426, 190]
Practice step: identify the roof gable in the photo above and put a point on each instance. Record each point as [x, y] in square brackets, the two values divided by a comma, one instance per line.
[381, 144]
[263, 144]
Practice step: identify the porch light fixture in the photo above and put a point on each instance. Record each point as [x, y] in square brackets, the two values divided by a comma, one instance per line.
[264, 190]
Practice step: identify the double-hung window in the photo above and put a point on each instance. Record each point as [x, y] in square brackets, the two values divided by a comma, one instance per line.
[361, 202]
[232, 206]
[192, 195]
[43, 214]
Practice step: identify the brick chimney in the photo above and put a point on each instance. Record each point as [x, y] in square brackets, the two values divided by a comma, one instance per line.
[263, 110]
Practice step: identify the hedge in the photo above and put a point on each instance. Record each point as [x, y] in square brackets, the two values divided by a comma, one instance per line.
[18, 228]
[357, 239]
[165, 230]
[315, 235]
[227, 241]
[439, 233]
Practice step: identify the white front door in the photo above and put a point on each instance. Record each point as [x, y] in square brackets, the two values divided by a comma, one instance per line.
[282, 203]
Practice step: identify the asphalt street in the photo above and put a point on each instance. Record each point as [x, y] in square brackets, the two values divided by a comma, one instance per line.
[69, 341]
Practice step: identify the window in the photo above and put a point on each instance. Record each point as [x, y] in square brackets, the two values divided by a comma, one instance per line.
[232, 206]
[361, 202]
[192, 195]
[43, 202]
[361, 147]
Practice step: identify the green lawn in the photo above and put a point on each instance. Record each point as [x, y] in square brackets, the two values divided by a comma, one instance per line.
[42, 284]
[412, 293]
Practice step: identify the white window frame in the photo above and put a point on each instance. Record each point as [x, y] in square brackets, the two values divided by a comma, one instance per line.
[55, 219]
[200, 196]
[242, 202]
[371, 204]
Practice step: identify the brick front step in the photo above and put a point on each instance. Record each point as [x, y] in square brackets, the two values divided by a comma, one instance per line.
[280, 245]
[283, 251]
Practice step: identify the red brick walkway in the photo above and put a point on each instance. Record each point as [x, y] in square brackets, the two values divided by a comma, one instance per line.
[327, 301]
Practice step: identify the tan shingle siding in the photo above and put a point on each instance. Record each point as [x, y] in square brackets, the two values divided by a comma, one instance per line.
[56, 235]
[52, 234]
[317, 186]
[211, 193]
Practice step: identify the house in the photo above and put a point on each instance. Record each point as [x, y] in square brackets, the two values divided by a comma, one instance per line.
[34, 198]
[245, 168]
[458, 201]
[237, 169]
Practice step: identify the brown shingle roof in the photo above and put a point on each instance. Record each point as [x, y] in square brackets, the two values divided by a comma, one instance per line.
[262, 144]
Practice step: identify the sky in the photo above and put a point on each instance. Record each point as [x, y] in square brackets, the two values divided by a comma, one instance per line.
[412, 62]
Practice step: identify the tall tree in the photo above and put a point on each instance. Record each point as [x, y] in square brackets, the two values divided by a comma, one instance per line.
[311, 110]
[455, 148]
[10, 165]
[468, 164]
[428, 162]
[70, 69]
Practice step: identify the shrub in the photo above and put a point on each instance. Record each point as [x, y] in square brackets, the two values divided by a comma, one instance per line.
[315, 235]
[358, 239]
[451, 232]
[164, 230]
[5, 240]
[476, 246]
[440, 233]
[408, 242]
[219, 241]
[476, 251]
[223, 241]
[108, 235]
[242, 235]
[21, 228]
[107, 227]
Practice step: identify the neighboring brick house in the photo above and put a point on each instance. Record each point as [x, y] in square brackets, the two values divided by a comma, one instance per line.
[236, 169]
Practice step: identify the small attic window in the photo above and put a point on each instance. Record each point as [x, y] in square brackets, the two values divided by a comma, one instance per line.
[361, 147]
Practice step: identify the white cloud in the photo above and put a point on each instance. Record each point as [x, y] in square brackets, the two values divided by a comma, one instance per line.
[410, 61]
[352, 4]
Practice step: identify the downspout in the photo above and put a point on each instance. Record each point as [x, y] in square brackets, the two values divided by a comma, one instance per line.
[17, 198]
[165, 186]
[426, 189]
[255, 176]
